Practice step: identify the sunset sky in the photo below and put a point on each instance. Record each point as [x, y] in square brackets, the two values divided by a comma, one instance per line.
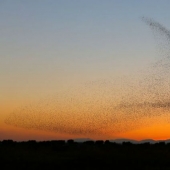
[84, 69]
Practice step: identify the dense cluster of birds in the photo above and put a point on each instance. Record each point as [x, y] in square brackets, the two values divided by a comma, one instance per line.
[106, 106]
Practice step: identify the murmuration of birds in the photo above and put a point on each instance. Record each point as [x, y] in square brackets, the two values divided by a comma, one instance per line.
[106, 106]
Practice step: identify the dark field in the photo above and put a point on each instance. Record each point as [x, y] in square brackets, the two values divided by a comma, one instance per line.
[85, 155]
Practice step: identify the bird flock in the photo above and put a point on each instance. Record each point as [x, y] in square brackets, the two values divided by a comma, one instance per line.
[106, 106]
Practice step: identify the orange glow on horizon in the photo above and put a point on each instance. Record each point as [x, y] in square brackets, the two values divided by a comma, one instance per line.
[83, 114]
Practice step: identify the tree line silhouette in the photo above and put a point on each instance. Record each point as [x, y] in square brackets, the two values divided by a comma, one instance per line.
[61, 154]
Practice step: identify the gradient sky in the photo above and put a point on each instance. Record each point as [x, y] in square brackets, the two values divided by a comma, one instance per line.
[51, 47]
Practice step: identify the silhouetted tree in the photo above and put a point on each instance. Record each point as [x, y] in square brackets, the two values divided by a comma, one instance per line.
[107, 142]
[99, 142]
[70, 141]
[90, 142]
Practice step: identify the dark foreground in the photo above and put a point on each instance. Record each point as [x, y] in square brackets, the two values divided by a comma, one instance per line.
[85, 156]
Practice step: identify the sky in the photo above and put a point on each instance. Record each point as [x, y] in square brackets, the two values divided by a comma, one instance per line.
[83, 69]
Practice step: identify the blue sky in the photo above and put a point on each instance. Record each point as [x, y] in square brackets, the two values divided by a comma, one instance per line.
[63, 41]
